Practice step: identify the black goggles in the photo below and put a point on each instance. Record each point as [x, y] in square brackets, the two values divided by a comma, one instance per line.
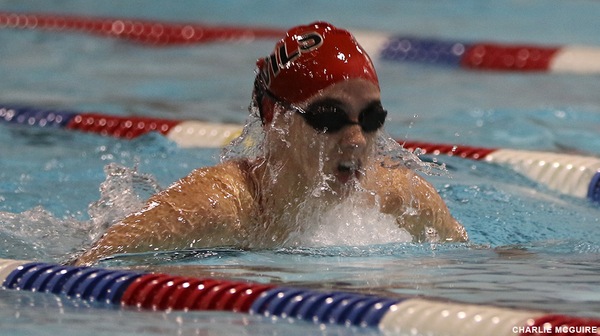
[327, 116]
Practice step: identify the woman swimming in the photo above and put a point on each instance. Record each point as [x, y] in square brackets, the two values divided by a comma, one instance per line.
[319, 103]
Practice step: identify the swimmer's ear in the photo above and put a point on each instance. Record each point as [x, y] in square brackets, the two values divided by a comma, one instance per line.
[262, 102]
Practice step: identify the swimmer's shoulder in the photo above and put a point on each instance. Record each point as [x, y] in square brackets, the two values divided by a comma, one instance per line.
[400, 187]
[403, 191]
[218, 197]
[392, 177]
[229, 181]
[232, 172]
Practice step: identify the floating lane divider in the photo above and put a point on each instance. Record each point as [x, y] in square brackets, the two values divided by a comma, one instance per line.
[461, 54]
[164, 292]
[184, 133]
[492, 56]
[156, 33]
[573, 175]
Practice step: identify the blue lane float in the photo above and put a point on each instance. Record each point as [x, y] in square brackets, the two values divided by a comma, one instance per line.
[419, 50]
[88, 284]
[388, 314]
[27, 115]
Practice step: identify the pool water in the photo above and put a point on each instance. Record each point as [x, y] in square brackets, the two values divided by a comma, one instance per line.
[530, 247]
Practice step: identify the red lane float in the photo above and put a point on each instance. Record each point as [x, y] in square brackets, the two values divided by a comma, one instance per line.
[493, 56]
[157, 33]
[461, 54]
[128, 128]
[465, 152]
[561, 325]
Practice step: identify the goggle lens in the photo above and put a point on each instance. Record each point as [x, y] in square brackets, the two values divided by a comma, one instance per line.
[329, 118]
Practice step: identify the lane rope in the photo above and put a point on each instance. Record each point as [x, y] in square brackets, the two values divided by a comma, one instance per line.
[492, 56]
[573, 175]
[164, 292]
[148, 32]
[472, 55]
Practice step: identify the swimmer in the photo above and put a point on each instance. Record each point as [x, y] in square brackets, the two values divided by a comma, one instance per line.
[319, 103]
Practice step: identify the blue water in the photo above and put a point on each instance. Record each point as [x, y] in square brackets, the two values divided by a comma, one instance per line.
[530, 247]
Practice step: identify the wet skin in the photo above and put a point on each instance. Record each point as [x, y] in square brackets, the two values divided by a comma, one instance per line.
[255, 203]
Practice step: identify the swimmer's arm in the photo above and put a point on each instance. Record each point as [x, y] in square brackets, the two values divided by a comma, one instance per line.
[434, 214]
[418, 207]
[147, 230]
[198, 211]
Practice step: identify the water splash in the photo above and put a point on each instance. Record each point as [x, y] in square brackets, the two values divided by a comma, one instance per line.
[392, 155]
[249, 144]
[36, 234]
[323, 180]
[355, 221]
[124, 191]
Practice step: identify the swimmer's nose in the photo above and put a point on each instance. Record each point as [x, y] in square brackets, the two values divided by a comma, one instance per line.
[353, 138]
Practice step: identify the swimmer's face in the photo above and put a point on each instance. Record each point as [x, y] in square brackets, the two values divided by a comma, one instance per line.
[334, 134]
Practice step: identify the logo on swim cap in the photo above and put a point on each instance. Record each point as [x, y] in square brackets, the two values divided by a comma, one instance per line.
[309, 59]
[271, 65]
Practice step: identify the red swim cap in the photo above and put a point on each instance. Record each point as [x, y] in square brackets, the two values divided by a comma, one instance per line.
[309, 59]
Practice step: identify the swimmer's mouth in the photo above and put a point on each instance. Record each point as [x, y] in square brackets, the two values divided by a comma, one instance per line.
[349, 169]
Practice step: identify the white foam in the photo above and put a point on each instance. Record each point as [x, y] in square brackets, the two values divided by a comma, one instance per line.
[349, 223]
